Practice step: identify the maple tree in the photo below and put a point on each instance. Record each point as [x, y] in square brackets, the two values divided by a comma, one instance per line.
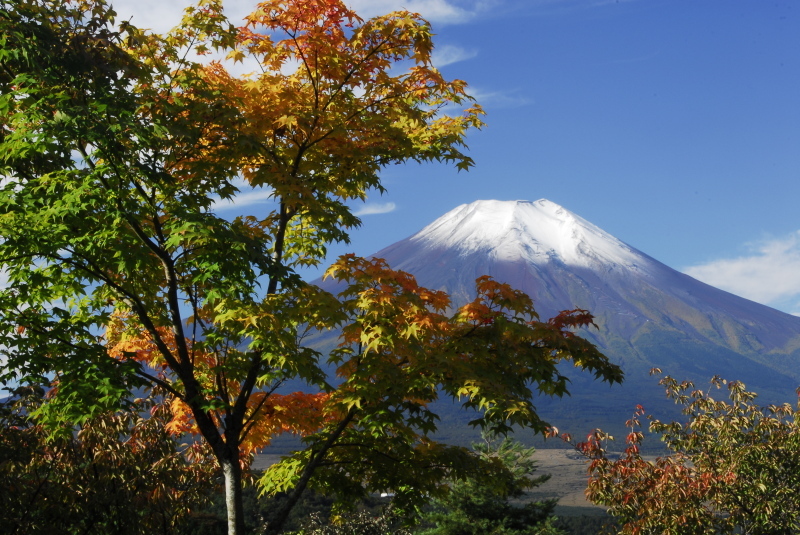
[732, 467]
[116, 146]
[399, 353]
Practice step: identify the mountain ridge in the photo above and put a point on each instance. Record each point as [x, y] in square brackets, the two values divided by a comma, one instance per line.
[603, 265]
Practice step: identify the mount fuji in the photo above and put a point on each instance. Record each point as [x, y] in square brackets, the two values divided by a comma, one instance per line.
[648, 314]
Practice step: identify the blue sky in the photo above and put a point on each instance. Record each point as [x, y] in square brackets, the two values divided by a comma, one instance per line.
[672, 124]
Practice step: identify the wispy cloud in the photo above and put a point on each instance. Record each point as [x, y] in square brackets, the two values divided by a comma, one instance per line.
[240, 200]
[449, 54]
[438, 11]
[375, 208]
[162, 15]
[499, 99]
[769, 273]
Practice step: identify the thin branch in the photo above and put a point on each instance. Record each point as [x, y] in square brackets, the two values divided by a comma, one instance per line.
[282, 514]
[250, 421]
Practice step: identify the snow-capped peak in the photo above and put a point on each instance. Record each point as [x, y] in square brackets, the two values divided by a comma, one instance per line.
[538, 232]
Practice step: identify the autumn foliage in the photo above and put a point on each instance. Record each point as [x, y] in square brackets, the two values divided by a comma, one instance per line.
[119, 473]
[268, 414]
[732, 467]
[402, 349]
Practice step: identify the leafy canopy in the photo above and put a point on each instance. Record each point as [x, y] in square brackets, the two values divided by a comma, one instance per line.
[399, 353]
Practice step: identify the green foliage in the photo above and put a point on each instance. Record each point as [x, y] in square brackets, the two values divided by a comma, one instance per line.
[119, 474]
[401, 350]
[482, 505]
[734, 467]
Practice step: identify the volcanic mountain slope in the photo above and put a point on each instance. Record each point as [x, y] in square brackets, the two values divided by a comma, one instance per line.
[647, 313]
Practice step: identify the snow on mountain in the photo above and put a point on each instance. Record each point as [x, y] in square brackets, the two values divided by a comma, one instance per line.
[530, 231]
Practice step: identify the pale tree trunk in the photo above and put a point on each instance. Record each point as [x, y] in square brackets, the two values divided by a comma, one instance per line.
[232, 472]
[226, 451]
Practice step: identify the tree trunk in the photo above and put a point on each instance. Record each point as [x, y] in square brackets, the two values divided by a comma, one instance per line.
[232, 472]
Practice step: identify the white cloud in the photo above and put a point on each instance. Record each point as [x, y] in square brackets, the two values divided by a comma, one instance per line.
[769, 274]
[249, 197]
[499, 99]
[242, 199]
[376, 208]
[438, 11]
[155, 15]
[162, 15]
[448, 54]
